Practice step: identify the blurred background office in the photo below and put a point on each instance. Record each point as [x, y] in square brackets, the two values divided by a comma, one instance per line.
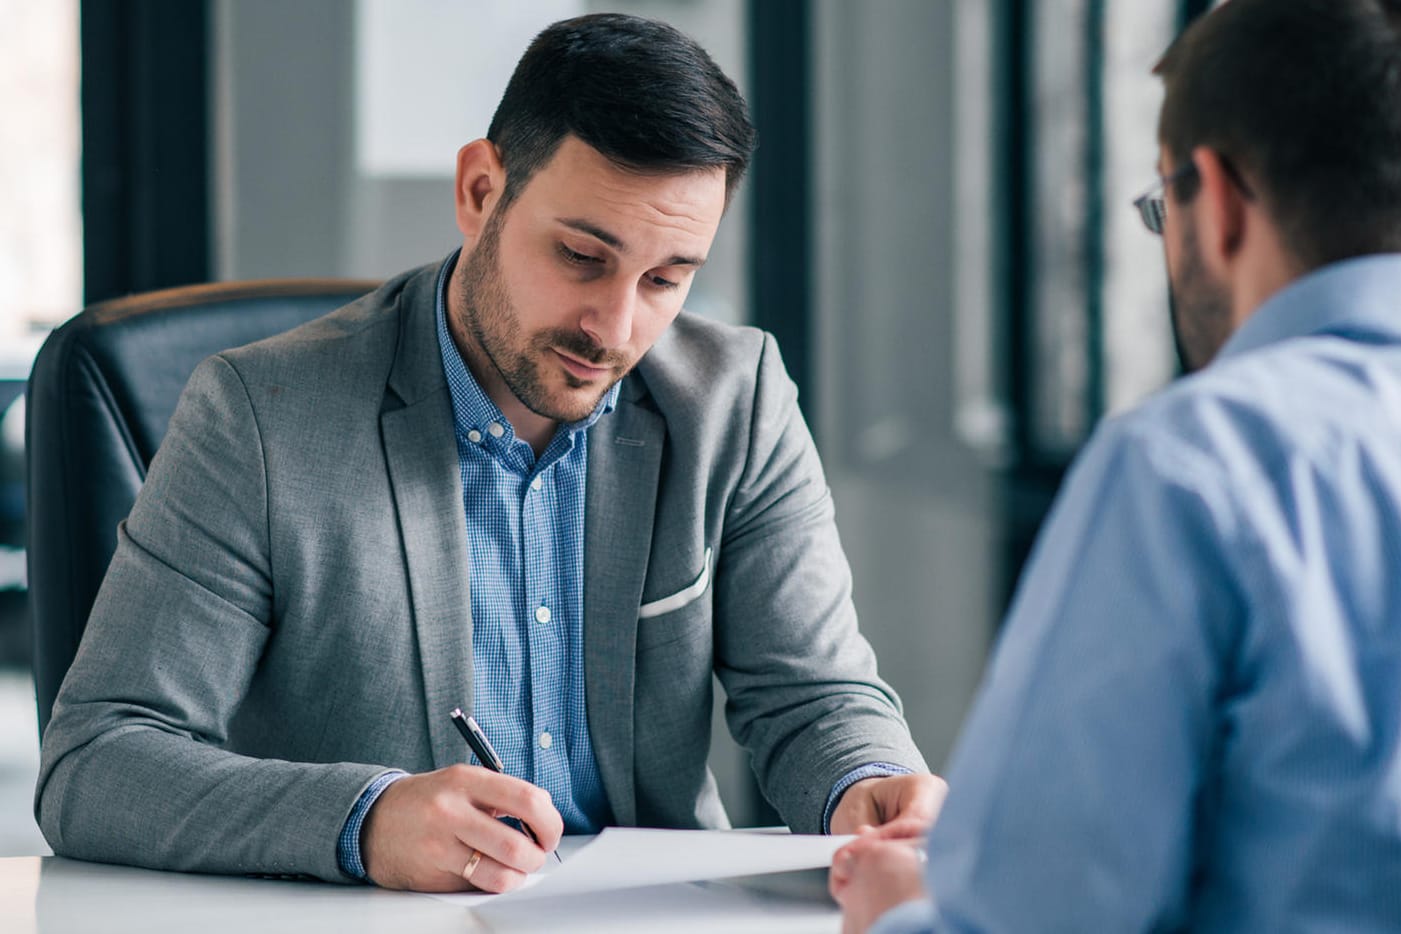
[936, 227]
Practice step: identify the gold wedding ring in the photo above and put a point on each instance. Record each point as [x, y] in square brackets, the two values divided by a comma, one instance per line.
[471, 866]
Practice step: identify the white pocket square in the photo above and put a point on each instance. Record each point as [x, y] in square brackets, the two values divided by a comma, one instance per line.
[679, 599]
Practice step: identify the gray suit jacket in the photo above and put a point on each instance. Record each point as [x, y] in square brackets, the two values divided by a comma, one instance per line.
[287, 613]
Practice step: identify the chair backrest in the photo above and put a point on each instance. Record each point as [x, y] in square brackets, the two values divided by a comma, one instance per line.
[102, 391]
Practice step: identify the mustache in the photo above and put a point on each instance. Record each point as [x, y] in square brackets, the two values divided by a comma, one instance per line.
[578, 344]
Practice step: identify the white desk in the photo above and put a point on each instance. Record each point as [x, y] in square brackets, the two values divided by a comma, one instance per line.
[51, 895]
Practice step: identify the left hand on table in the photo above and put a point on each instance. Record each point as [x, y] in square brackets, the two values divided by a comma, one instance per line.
[872, 875]
[901, 805]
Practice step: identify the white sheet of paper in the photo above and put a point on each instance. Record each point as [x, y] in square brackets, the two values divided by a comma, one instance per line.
[680, 908]
[622, 857]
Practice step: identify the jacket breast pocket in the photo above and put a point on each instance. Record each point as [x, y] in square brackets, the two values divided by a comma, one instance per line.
[688, 594]
[677, 616]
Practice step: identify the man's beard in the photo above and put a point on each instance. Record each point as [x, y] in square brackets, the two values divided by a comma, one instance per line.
[490, 317]
[1200, 308]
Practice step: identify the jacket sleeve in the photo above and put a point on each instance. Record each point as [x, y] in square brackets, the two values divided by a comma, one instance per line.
[132, 767]
[804, 697]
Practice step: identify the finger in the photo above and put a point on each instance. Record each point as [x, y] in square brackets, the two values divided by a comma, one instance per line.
[840, 876]
[491, 876]
[840, 872]
[507, 795]
[836, 885]
[847, 859]
[922, 798]
[501, 841]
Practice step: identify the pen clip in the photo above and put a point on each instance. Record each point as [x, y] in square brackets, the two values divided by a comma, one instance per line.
[477, 741]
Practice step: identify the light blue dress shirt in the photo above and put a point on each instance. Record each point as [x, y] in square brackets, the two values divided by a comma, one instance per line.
[1192, 718]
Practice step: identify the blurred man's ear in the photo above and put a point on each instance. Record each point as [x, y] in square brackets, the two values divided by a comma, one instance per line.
[1219, 212]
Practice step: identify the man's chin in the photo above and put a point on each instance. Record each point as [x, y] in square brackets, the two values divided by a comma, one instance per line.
[573, 405]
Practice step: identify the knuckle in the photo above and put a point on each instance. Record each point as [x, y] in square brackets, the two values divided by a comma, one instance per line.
[516, 852]
[540, 801]
[439, 806]
[517, 800]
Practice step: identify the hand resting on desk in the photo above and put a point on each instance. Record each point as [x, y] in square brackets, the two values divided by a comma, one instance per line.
[423, 830]
[909, 803]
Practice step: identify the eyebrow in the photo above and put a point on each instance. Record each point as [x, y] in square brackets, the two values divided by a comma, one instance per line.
[611, 240]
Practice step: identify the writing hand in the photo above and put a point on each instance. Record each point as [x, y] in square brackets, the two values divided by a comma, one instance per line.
[438, 832]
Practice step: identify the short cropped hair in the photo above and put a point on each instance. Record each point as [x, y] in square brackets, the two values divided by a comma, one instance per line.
[643, 94]
[1303, 99]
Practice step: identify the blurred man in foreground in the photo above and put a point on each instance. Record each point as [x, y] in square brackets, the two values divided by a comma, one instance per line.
[1193, 720]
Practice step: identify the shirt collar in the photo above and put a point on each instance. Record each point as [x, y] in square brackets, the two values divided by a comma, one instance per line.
[1358, 298]
[472, 408]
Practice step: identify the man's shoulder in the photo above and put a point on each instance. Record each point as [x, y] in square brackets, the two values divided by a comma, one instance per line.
[700, 359]
[695, 343]
[1253, 419]
[360, 334]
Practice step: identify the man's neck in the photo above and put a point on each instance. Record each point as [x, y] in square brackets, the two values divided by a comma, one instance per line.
[1264, 267]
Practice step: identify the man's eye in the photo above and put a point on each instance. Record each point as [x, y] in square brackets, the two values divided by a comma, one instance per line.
[575, 257]
[662, 283]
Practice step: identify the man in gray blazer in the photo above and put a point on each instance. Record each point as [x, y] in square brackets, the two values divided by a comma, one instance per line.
[520, 481]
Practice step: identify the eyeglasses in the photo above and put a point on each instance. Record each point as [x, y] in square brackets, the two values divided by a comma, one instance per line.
[1152, 206]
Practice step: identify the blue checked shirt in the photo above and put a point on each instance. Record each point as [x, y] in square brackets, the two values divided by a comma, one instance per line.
[525, 530]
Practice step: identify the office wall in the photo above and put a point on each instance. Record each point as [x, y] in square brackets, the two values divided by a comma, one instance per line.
[902, 92]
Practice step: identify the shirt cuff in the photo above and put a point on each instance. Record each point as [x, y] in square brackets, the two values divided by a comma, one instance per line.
[874, 770]
[348, 844]
[913, 917]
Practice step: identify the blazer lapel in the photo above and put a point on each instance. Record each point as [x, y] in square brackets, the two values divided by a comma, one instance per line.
[421, 451]
[625, 454]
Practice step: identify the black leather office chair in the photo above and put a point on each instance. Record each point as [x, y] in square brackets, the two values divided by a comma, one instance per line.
[100, 396]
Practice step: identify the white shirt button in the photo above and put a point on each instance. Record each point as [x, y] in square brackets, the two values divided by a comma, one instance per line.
[542, 614]
[496, 429]
[546, 740]
[474, 436]
[536, 483]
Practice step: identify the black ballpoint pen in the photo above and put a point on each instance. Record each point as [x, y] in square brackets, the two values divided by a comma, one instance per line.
[481, 748]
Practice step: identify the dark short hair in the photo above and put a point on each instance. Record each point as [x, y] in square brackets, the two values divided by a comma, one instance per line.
[643, 94]
[1303, 99]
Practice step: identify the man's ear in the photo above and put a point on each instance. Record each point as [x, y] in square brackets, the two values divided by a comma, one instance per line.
[481, 179]
[1220, 211]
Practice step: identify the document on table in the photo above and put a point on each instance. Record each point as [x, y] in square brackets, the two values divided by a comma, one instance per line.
[622, 858]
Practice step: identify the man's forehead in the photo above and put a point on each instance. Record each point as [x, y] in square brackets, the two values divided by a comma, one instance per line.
[619, 205]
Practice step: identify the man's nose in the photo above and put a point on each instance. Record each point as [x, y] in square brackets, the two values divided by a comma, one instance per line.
[609, 317]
